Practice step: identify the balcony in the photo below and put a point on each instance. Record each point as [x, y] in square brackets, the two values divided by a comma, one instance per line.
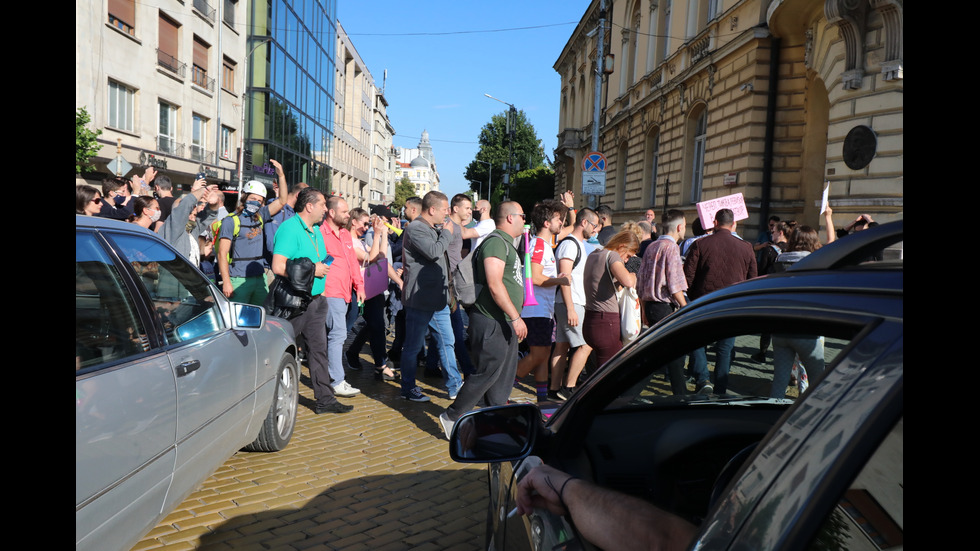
[168, 145]
[170, 63]
[200, 77]
[206, 10]
[198, 153]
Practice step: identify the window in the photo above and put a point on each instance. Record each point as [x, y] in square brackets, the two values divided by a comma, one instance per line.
[227, 142]
[107, 327]
[168, 48]
[122, 15]
[121, 106]
[228, 75]
[199, 138]
[167, 133]
[200, 70]
[697, 168]
[228, 13]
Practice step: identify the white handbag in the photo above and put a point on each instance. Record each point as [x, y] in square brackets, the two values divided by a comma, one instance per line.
[630, 318]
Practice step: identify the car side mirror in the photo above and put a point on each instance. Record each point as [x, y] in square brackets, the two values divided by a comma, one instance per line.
[246, 316]
[495, 434]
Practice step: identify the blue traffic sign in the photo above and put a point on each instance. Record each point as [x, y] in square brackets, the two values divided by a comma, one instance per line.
[594, 162]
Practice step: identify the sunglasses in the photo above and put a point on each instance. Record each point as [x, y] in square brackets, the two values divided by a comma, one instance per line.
[97, 200]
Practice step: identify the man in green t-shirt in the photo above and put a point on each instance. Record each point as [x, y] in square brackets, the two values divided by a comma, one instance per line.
[495, 320]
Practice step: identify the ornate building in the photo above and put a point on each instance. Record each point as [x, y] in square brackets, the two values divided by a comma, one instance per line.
[766, 98]
[419, 165]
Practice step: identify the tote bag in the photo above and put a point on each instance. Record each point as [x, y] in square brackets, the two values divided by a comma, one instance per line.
[630, 320]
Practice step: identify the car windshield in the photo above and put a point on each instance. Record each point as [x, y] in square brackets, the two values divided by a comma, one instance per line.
[732, 366]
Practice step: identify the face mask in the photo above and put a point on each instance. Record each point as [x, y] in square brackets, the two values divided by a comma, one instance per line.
[155, 216]
[251, 208]
[118, 200]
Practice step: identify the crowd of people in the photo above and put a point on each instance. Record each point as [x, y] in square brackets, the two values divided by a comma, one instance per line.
[398, 269]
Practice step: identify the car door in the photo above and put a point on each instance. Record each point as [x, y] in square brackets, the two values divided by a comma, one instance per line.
[125, 403]
[214, 366]
[626, 431]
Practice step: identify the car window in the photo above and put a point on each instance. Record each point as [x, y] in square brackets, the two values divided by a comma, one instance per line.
[107, 327]
[744, 364]
[182, 298]
[871, 513]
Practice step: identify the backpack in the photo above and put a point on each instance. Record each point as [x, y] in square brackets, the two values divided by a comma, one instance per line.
[216, 232]
[578, 249]
[465, 287]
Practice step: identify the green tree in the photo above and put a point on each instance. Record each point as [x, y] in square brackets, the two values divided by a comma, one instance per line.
[495, 149]
[533, 185]
[403, 190]
[86, 142]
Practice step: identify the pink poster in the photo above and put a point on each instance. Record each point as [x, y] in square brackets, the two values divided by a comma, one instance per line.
[707, 209]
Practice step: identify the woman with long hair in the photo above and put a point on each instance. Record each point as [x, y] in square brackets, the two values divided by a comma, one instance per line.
[374, 307]
[88, 200]
[605, 273]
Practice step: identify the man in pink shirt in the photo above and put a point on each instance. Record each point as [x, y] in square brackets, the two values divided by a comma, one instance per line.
[345, 274]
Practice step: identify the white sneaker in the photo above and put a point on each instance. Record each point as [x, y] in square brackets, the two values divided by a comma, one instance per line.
[344, 389]
[447, 424]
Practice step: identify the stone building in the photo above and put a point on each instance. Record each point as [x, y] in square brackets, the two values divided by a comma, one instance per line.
[350, 156]
[768, 98]
[163, 82]
[419, 165]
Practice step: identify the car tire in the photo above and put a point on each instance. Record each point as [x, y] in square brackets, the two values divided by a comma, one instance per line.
[279, 423]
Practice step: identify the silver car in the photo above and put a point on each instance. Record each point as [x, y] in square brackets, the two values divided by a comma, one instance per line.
[170, 380]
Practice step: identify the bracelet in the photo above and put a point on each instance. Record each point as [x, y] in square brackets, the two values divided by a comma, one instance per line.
[561, 493]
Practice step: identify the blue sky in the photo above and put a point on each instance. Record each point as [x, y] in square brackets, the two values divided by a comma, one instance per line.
[437, 83]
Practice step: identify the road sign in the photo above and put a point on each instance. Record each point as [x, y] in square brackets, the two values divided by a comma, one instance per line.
[594, 162]
[593, 183]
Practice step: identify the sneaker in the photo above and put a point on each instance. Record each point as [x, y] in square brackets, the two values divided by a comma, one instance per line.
[415, 395]
[453, 394]
[335, 407]
[447, 424]
[705, 389]
[554, 396]
[566, 393]
[344, 389]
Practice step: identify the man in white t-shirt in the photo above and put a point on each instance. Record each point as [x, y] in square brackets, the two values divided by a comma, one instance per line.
[549, 217]
[484, 222]
[570, 307]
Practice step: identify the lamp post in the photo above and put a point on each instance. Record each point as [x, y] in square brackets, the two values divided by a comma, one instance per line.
[489, 178]
[511, 132]
[241, 137]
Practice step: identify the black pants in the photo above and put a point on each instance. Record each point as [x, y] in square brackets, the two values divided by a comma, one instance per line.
[655, 312]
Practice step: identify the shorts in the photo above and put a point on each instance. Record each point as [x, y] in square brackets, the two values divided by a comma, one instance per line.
[566, 333]
[540, 331]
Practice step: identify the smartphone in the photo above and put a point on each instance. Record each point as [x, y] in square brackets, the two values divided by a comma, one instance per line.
[328, 261]
[200, 176]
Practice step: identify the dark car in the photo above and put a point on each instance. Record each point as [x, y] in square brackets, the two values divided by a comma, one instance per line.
[171, 379]
[815, 465]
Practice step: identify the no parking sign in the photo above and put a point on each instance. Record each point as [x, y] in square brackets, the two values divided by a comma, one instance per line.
[594, 174]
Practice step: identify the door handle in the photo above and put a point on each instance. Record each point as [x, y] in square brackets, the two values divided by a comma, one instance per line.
[186, 367]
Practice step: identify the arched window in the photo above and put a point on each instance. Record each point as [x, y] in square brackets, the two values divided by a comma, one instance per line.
[698, 126]
[651, 160]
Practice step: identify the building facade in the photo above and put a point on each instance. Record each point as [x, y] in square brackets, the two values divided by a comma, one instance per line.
[384, 157]
[351, 154]
[290, 95]
[163, 82]
[707, 98]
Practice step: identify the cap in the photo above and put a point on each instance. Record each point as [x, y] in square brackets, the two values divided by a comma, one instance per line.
[382, 210]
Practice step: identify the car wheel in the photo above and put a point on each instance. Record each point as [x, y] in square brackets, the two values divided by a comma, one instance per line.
[278, 426]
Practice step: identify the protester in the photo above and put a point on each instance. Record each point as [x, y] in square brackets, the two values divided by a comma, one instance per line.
[605, 272]
[88, 200]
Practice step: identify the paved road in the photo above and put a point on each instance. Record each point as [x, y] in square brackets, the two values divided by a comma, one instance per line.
[378, 478]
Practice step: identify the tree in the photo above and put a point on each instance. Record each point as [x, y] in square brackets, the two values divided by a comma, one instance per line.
[495, 149]
[403, 190]
[530, 186]
[86, 142]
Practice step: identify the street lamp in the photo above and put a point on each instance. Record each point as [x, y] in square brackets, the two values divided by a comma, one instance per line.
[489, 177]
[511, 131]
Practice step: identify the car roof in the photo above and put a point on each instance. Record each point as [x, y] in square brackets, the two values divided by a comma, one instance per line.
[853, 248]
[98, 222]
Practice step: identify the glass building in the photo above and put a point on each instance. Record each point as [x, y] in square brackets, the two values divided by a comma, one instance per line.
[290, 86]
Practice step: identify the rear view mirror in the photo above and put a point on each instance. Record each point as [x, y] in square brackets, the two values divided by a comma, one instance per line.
[495, 434]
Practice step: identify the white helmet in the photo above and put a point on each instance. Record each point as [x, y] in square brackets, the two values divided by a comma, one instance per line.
[256, 187]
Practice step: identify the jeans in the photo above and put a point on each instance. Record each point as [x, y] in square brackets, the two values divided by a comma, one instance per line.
[723, 363]
[785, 348]
[336, 335]
[415, 323]
[463, 361]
